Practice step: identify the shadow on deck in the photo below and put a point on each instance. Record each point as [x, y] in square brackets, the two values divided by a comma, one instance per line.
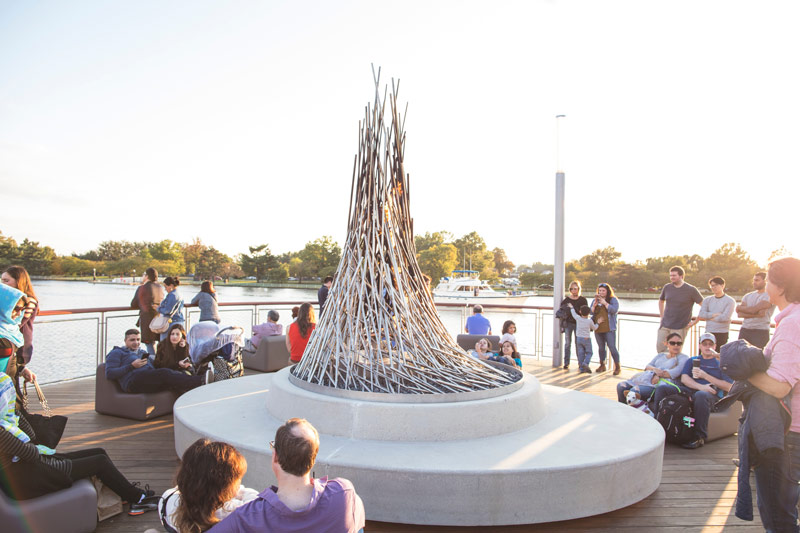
[697, 491]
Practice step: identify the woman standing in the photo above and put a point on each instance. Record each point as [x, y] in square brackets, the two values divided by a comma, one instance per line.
[147, 299]
[174, 354]
[777, 475]
[299, 332]
[606, 306]
[574, 297]
[172, 305]
[206, 300]
[18, 278]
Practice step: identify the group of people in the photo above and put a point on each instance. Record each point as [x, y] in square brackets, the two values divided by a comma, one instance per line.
[579, 320]
[507, 352]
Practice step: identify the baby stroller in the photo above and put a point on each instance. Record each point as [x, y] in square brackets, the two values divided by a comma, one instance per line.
[220, 348]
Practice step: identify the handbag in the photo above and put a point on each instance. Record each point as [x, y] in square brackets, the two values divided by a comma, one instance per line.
[159, 324]
[48, 427]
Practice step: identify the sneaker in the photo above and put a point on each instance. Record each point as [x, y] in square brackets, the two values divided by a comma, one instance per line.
[209, 374]
[149, 503]
[147, 491]
[694, 444]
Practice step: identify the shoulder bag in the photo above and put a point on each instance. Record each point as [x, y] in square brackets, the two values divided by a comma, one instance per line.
[160, 324]
[48, 427]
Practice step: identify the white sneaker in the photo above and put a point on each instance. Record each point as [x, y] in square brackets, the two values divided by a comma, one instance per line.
[210, 374]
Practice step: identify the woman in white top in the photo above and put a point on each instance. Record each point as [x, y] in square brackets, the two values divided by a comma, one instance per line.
[209, 488]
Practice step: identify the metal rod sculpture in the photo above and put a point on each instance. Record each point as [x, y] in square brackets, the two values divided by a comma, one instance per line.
[380, 331]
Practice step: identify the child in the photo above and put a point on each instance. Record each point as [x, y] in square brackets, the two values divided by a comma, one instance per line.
[583, 340]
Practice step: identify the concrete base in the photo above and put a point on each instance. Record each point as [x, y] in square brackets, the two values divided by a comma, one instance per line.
[575, 455]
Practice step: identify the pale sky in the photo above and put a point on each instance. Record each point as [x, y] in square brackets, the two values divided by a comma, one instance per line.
[237, 121]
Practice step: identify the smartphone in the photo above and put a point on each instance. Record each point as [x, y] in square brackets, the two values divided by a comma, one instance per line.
[145, 356]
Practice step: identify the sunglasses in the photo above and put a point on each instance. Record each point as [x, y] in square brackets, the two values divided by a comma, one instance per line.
[675, 343]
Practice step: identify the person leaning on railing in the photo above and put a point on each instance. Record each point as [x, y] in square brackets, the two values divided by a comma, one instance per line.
[147, 298]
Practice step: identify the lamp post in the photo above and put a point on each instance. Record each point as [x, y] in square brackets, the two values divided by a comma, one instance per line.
[558, 260]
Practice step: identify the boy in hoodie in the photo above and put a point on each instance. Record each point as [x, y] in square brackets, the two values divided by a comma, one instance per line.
[134, 371]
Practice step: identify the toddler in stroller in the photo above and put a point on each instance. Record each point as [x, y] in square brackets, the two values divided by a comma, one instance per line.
[216, 350]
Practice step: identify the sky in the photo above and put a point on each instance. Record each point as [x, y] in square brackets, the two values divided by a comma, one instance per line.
[237, 122]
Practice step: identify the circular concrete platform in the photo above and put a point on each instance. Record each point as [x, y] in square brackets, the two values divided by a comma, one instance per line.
[540, 454]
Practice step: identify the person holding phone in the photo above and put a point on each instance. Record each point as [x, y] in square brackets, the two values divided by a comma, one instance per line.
[174, 352]
[704, 381]
[605, 306]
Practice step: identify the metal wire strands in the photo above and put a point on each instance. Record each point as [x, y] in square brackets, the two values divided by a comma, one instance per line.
[380, 332]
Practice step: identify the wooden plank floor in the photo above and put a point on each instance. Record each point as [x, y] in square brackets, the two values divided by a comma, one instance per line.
[697, 491]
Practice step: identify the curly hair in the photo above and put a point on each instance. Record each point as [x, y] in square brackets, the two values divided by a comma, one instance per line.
[209, 475]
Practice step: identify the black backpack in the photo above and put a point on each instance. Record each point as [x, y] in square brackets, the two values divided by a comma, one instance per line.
[675, 415]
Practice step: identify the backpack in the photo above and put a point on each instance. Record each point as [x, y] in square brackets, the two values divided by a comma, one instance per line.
[675, 415]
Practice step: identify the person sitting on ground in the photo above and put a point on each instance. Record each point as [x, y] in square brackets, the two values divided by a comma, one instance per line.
[299, 332]
[32, 470]
[174, 352]
[508, 355]
[667, 365]
[267, 329]
[509, 332]
[172, 305]
[478, 324]
[206, 300]
[147, 298]
[583, 340]
[483, 349]
[209, 488]
[705, 383]
[298, 502]
[131, 367]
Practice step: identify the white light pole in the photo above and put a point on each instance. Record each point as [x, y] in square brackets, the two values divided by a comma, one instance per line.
[558, 261]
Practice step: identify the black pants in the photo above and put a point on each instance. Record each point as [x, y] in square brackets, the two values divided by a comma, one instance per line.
[96, 462]
[163, 379]
[756, 337]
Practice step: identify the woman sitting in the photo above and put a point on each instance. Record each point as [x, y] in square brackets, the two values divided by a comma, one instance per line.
[208, 488]
[483, 349]
[174, 353]
[299, 332]
[667, 365]
[508, 355]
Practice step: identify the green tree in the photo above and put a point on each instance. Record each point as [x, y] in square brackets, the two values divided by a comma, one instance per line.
[472, 253]
[74, 266]
[8, 250]
[502, 264]
[168, 253]
[437, 261]
[423, 242]
[260, 262]
[212, 263]
[192, 252]
[36, 259]
[320, 257]
[601, 260]
[732, 263]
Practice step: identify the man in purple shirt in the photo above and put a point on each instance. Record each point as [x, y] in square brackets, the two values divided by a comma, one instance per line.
[298, 503]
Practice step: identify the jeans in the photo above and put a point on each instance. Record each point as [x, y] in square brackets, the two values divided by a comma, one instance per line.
[569, 332]
[756, 337]
[702, 405]
[583, 347]
[777, 476]
[95, 462]
[161, 379]
[609, 338]
[645, 391]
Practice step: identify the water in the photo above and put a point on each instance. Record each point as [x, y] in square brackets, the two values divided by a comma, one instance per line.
[66, 346]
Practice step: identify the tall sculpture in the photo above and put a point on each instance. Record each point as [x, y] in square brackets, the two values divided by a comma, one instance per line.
[380, 331]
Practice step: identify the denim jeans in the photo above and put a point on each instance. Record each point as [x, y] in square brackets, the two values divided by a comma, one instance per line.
[645, 391]
[609, 338]
[777, 476]
[569, 332]
[583, 347]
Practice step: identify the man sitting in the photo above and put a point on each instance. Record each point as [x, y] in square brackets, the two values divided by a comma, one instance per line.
[134, 371]
[703, 380]
[298, 503]
[267, 329]
[478, 324]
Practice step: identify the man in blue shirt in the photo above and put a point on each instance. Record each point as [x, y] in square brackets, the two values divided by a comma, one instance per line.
[132, 368]
[704, 382]
[478, 324]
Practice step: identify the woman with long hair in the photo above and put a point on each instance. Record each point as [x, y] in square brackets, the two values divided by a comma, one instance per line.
[208, 488]
[777, 472]
[17, 277]
[299, 332]
[569, 324]
[605, 305]
[174, 352]
[206, 300]
[172, 305]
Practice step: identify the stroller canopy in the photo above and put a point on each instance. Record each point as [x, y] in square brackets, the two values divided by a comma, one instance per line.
[206, 338]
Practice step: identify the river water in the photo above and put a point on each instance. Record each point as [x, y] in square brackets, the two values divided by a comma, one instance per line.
[65, 347]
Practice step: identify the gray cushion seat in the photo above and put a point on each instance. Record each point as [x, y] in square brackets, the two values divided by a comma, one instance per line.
[270, 356]
[110, 399]
[724, 423]
[468, 341]
[72, 510]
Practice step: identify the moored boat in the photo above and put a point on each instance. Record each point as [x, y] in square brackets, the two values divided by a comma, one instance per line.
[465, 286]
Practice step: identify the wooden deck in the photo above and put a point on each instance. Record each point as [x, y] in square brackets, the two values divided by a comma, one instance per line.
[697, 491]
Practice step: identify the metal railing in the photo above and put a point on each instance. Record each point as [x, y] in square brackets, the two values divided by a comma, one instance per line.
[67, 340]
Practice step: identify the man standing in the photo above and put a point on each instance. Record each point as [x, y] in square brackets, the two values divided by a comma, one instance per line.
[478, 324]
[756, 312]
[298, 503]
[132, 368]
[675, 307]
[717, 310]
[703, 380]
[322, 293]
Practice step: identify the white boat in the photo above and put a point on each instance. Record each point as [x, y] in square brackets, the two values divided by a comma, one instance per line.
[464, 286]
